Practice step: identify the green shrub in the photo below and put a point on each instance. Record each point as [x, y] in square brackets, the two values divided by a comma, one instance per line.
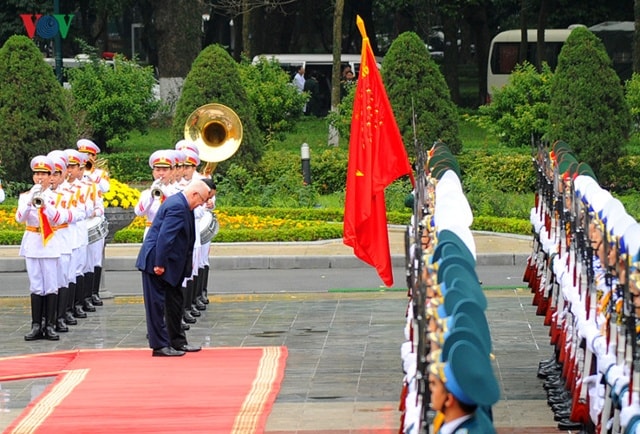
[129, 166]
[340, 119]
[502, 225]
[329, 169]
[11, 238]
[416, 86]
[510, 173]
[128, 236]
[624, 175]
[274, 100]
[214, 78]
[588, 109]
[520, 109]
[33, 115]
[116, 99]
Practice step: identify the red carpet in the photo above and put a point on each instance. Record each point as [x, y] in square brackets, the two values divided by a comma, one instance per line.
[226, 390]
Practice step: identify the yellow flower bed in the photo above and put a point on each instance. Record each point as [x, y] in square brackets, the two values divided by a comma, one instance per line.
[232, 222]
[8, 221]
[121, 195]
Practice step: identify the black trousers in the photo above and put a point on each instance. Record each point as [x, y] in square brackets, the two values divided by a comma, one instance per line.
[163, 307]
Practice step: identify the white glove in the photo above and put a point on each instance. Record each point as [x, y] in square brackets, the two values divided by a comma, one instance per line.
[629, 411]
[605, 361]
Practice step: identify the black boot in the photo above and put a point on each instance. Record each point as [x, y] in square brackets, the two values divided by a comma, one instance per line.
[61, 325]
[199, 284]
[69, 318]
[87, 304]
[37, 303]
[191, 291]
[49, 330]
[78, 301]
[186, 306]
[205, 285]
[95, 294]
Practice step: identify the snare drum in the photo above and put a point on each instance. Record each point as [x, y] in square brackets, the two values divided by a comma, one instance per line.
[98, 228]
[208, 226]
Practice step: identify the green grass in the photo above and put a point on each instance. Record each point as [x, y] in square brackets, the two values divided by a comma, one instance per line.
[310, 130]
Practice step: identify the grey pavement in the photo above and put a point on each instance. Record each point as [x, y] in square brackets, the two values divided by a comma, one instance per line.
[343, 331]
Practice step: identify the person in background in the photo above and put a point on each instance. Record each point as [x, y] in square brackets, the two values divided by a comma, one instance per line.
[312, 87]
[298, 82]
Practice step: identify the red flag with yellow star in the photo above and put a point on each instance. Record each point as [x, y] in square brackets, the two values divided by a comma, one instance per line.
[377, 157]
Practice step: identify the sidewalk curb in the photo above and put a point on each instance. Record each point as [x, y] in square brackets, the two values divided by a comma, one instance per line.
[276, 262]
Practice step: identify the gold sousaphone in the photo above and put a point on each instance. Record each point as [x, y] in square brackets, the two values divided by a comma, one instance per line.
[217, 132]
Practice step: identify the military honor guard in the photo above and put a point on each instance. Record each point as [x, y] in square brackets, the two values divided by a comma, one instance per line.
[98, 178]
[449, 384]
[83, 197]
[39, 210]
[65, 233]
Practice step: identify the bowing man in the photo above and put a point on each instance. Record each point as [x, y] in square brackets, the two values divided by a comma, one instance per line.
[165, 260]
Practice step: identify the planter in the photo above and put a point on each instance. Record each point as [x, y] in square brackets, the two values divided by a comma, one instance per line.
[118, 218]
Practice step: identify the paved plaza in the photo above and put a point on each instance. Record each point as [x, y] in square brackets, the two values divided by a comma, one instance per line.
[343, 371]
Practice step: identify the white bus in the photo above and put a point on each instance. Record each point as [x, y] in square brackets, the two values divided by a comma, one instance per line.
[504, 53]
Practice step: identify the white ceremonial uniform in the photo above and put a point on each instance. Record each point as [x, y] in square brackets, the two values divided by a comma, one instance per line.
[42, 260]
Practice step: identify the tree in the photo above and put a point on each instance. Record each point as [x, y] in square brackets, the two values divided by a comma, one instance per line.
[117, 99]
[587, 108]
[415, 85]
[33, 117]
[214, 78]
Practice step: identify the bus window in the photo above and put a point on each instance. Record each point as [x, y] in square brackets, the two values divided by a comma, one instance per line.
[504, 53]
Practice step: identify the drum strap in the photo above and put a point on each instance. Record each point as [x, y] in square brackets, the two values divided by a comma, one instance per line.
[33, 229]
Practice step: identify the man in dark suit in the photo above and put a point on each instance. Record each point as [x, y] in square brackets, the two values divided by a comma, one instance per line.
[165, 260]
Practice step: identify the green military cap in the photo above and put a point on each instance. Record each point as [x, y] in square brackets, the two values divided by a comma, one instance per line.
[461, 277]
[463, 333]
[585, 169]
[468, 314]
[449, 235]
[565, 161]
[469, 375]
[455, 295]
[448, 248]
[559, 146]
[438, 170]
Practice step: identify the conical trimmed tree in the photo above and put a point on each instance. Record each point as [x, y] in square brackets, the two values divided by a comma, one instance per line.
[587, 108]
[214, 78]
[33, 117]
[415, 84]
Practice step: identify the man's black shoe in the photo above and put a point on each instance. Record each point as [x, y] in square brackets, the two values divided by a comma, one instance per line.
[568, 424]
[189, 348]
[167, 352]
[194, 312]
[184, 325]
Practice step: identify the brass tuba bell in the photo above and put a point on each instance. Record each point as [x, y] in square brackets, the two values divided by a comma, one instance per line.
[217, 132]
